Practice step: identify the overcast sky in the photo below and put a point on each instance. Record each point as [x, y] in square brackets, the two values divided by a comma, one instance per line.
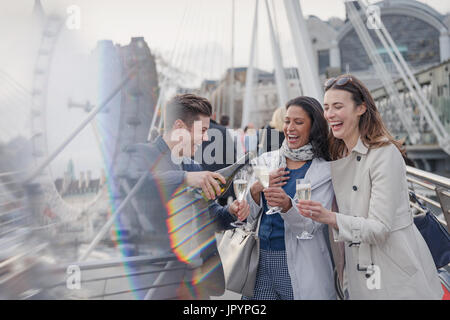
[194, 35]
[168, 25]
[190, 33]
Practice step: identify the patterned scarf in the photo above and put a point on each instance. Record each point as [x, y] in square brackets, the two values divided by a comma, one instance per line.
[303, 153]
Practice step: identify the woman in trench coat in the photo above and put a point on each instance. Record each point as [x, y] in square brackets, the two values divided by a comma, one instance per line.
[385, 255]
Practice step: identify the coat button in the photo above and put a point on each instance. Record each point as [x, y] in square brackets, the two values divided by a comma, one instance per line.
[355, 188]
[358, 158]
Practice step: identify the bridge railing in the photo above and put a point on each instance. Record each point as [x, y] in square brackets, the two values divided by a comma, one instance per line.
[134, 269]
[433, 190]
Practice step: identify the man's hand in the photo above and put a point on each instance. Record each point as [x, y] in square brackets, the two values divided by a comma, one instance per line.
[240, 209]
[206, 180]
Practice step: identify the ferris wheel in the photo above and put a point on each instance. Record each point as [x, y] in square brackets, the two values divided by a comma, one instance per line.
[51, 203]
[122, 118]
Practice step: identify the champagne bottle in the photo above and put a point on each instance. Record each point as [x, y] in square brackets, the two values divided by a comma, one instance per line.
[229, 172]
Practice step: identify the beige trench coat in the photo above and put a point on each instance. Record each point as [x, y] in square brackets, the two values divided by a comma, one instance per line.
[377, 228]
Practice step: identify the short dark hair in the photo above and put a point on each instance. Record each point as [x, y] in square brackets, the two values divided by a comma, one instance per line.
[186, 107]
[224, 120]
[318, 135]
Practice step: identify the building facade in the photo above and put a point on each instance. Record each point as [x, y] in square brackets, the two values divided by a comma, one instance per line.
[420, 33]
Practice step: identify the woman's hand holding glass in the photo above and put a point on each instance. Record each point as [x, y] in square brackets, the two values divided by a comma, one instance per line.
[276, 197]
[271, 185]
[315, 211]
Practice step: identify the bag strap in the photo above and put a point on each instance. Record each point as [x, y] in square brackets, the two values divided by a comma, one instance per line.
[430, 214]
[255, 224]
[413, 195]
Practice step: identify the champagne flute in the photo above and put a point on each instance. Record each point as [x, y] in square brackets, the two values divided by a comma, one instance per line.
[240, 185]
[272, 166]
[263, 174]
[303, 192]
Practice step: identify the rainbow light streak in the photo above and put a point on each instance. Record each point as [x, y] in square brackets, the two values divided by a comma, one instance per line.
[188, 237]
[107, 72]
[105, 126]
[189, 240]
[174, 225]
[205, 272]
[178, 226]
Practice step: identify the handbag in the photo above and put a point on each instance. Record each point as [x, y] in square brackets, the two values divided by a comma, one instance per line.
[434, 233]
[239, 252]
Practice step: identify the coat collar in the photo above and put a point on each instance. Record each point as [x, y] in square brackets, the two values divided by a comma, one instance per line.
[318, 173]
[360, 147]
[164, 149]
[162, 145]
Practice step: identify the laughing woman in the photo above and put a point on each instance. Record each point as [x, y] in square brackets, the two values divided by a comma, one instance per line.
[385, 255]
[290, 267]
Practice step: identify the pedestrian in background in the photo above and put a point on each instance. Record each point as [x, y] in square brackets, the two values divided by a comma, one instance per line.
[224, 121]
[250, 138]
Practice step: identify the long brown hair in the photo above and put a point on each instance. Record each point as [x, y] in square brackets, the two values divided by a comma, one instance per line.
[373, 132]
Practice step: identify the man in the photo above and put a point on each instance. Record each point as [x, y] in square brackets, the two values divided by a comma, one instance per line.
[167, 159]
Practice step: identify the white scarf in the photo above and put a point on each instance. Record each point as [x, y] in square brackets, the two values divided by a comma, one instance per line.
[303, 153]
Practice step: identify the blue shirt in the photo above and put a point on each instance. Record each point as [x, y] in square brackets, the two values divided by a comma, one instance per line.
[271, 230]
